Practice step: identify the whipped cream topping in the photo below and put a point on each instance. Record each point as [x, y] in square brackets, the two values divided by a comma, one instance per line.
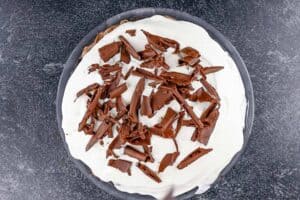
[226, 139]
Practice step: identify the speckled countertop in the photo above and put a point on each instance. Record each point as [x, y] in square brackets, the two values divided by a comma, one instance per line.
[36, 38]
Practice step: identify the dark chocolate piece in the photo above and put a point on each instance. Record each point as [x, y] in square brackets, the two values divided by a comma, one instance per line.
[167, 160]
[130, 48]
[155, 62]
[210, 122]
[135, 100]
[160, 98]
[108, 51]
[210, 88]
[115, 144]
[122, 165]
[201, 95]
[188, 60]
[197, 153]
[118, 91]
[179, 122]
[148, 151]
[149, 172]
[149, 52]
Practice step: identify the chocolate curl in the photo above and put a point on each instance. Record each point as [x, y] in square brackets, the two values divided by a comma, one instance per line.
[108, 51]
[89, 128]
[121, 108]
[148, 151]
[208, 110]
[130, 48]
[155, 62]
[168, 159]
[130, 151]
[189, 51]
[128, 73]
[205, 133]
[88, 89]
[188, 60]
[212, 69]
[118, 91]
[131, 32]
[146, 74]
[179, 122]
[201, 96]
[124, 57]
[135, 100]
[137, 140]
[146, 107]
[149, 52]
[154, 84]
[115, 82]
[115, 144]
[177, 78]
[160, 98]
[91, 108]
[188, 108]
[210, 89]
[161, 43]
[149, 172]
[122, 165]
[195, 135]
[188, 122]
[94, 67]
[163, 128]
[197, 153]
[124, 132]
[99, 134]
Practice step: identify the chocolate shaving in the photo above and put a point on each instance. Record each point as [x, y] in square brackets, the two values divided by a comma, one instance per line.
[130, 151]
[212, 69]
[121, 108]
[187, 122]
[124, 57]
[197, 153]
[195, 135]
[205, 133]
[148, 151]
[108, 51]
[208, 110]
[131, 32]
[160, 98]
[146, 74]
[135, 100]
[161, 43]
[189, 51]
[188, 108]
[179, 122]
[130, 48]
[177, 78]
[88, 89]
[167, 160]
[90, 109]
[115, 144]
[118, 91]
[201, 96]
[99, 134]
[149, 172]
[94, 67]
[122, 165]
[146, 108]
[164, 128]
[106, 70]
[210, 88]
[188, 60]
[155, 62]
[149, 52]
[128, 73]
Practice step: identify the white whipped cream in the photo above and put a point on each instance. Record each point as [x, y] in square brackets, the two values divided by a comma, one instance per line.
[226, 139]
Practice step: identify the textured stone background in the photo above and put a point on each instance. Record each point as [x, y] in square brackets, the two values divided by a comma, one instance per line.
[36, 38]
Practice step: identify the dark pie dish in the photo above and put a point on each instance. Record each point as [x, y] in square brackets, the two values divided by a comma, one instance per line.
[135, 15]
